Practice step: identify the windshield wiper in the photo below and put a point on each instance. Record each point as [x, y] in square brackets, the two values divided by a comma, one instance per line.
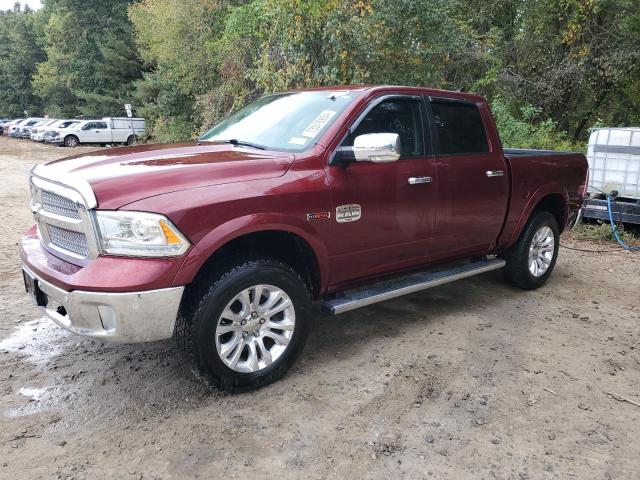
[236, 142]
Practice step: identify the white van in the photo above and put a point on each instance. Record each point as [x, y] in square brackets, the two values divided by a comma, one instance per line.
[614, 164]
[106, 130]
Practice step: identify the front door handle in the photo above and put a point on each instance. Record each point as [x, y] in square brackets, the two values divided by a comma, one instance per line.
[495, 173]
[419, 180]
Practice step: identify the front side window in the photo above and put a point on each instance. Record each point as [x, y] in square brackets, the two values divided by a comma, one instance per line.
[287, 121]
[459, 127]
[395, 115]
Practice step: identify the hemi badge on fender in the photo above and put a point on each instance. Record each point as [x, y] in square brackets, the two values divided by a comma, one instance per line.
[318, 216]
[348, 213]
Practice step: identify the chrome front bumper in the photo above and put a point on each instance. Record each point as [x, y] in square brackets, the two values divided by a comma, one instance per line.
[116, 317]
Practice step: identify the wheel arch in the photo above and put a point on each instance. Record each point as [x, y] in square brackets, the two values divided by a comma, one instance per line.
[555, 204]
[552, 199]
[291, 244]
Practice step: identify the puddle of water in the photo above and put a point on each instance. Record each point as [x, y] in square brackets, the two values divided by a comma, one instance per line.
[32, 393]
[37, 340]
[40, 400]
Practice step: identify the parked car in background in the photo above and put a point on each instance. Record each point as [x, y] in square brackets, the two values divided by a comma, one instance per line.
[348, 196]
[3, 121]
[41, 127]
[53, 134]
[10, 126]
[17, 129]
[614, 165]
[25, 131]
[4, 128]
[104, 131]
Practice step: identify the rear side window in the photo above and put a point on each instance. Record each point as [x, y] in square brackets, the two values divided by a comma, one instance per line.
[459, 128]
[100, 125]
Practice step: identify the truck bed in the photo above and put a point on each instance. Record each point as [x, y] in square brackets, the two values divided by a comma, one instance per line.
[511, 152]
[535, 172]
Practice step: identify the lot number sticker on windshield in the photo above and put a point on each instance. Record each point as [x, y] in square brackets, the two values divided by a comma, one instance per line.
[318, 123]
[348, 213]
[297, 141]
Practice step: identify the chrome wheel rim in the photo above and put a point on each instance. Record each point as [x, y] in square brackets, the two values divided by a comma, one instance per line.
[255, 328]
[541, 251]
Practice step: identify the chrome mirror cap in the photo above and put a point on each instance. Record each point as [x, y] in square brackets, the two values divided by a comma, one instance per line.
[377, 147]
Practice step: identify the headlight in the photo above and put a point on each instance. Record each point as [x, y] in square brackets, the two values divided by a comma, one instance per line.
[139, 234]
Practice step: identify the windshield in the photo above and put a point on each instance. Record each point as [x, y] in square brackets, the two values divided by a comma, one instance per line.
[286, 121]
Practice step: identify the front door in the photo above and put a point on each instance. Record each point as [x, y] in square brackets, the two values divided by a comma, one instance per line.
[383, 213]
[472, 180]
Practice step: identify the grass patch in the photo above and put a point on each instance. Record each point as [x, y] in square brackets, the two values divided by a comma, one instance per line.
[601, 231]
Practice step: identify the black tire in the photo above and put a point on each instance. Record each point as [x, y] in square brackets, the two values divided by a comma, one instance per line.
[131, 140]
[203, 305]
[71, 141]
[517, 270]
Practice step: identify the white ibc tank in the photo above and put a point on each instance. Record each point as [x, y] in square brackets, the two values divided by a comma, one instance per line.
[614, 161]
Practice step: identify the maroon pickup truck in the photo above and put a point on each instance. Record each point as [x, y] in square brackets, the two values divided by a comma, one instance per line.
[346, 196]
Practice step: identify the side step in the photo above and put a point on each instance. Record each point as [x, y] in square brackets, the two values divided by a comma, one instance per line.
[387, 289]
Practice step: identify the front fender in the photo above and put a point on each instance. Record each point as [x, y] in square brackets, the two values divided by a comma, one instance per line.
[238, 227]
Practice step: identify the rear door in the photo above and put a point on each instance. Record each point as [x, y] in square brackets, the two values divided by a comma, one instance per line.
[473, 181]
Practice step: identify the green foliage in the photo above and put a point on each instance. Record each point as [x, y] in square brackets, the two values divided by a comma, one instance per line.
[19, 56]
[173, 38]
[550, 68]
[91, 60]
[527, 129]
[602, 231]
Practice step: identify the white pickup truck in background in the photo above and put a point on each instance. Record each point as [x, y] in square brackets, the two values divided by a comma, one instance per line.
[104, 131]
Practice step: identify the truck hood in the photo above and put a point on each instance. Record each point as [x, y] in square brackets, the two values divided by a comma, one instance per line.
[120, 176]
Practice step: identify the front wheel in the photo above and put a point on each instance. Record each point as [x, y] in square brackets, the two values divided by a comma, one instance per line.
[71, 141]
[244, 328]
[532, 259]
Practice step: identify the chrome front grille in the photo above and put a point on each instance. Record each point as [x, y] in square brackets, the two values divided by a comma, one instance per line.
[64, 222]
[63, 206]
[75, 242]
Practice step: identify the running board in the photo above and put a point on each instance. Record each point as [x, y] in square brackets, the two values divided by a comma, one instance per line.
[388, 289]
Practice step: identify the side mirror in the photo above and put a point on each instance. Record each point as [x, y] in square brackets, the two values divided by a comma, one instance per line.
[371, 147]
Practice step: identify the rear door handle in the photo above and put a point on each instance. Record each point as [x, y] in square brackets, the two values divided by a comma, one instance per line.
[495, 173]
[419, 180]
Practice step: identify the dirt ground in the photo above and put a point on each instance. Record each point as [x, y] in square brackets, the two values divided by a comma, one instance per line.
[475, 379]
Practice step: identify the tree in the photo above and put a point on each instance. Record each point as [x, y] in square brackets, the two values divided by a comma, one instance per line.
[19, 56]
[173, 38]
[577, 60]
[91, 62]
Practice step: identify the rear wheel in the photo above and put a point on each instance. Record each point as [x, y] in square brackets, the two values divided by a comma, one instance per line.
[532, 259]
[130, 140]
[71, 141]
[244, 328]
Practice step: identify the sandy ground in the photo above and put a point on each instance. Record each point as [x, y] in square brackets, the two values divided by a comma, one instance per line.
[471, 380]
